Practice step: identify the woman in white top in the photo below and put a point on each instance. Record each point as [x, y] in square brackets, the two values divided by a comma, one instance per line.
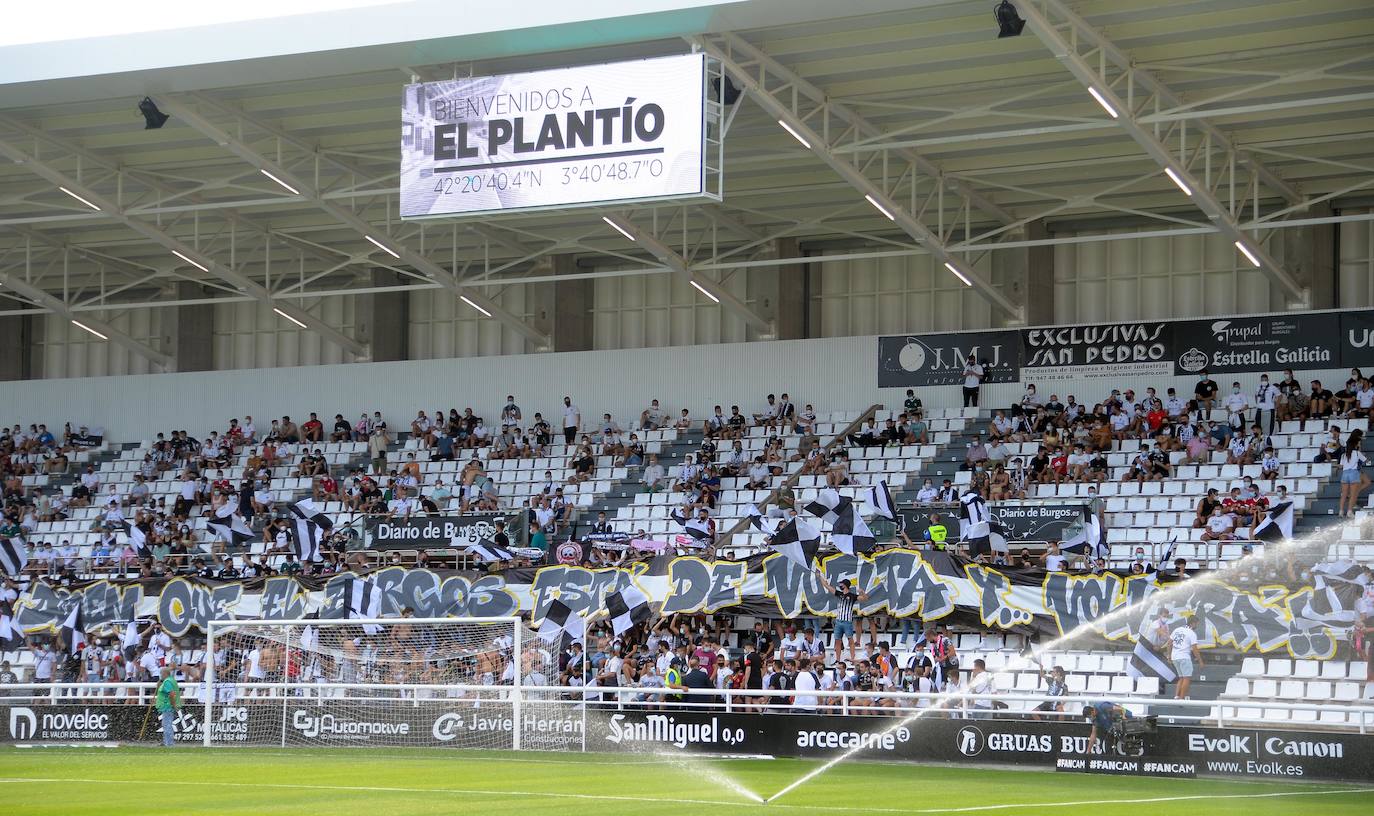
[1351, 482]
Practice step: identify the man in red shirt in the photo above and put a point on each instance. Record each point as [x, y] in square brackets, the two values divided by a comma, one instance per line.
[313, 429]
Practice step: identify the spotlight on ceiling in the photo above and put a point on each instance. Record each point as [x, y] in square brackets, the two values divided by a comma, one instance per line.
[152, 117]
[725, 90]
[1009, 23]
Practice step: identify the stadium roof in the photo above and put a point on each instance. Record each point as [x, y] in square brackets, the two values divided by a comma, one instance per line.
[1264, 110]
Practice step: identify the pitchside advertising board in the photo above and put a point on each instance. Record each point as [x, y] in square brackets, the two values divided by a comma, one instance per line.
[1161, 348]
[566, 137]
[1179, 751]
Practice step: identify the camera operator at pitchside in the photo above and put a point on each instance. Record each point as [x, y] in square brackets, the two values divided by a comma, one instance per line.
[1107, 719]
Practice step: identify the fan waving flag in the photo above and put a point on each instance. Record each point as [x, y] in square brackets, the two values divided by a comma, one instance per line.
[881, 499]
[561, 625]
[139, 539]
[229, 525]
[850, 534]
[1087, 537]
[1168, 554]
[699, 529]
[626, 607]
[1277, 524]
[797, 541]
[312, 526]
[1149, 661]
[488, 552]
[827, 505]
[758, 521]
[74, 630]
[14, 554]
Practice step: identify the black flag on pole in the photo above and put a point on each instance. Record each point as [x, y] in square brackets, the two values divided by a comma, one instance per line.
[488, 552]
[1087, 537]
[699, 529]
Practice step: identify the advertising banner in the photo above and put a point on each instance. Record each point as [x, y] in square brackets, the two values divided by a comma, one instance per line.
[426, 532]
[909, 361]
[1021, 522]
[569, 136]
[1113, 350]
[1250, 344]
[1174, 750]
[1161, 348]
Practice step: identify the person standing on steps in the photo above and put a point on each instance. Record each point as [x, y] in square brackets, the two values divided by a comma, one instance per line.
[973, 380]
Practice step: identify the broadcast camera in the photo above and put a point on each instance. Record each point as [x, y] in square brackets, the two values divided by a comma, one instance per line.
[1133, 735]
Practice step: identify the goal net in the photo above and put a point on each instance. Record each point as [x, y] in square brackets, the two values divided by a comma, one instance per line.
[396, 682]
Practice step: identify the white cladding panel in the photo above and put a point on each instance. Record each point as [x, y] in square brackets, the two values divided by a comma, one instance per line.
[893, 295]
[1356, 274]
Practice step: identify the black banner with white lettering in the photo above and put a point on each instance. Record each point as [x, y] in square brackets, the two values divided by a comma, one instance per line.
[907, 361]
[431, 532]
[1162, 348]
[1041, 521]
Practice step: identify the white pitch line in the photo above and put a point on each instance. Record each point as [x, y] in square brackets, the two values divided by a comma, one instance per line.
[664, 800]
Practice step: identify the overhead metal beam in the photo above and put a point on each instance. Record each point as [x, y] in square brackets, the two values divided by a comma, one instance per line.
[185, 252]
[667, 256]
[1124, 91]
[856, 126]
[778, 90]
[380, 235]
[166, 362]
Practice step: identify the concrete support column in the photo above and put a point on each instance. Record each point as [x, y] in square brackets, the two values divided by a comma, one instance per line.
[573, 326]
[192, 330]
[383, 318]
[1039, 260]
[21, 360]
[1309, 253]
[779, 293]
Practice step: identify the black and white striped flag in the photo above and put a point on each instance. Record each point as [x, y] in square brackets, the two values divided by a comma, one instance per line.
[14, 554]
[562, 626]
[139, 539]
[74, 630]
[11, 637]
[881, 499]
[1149, 661]
[798, 541]
[312, 527]
[759, 521]
[1168, 554]
[1277, 524]
[362, 599]
[487, 552]
[229, 525]
[1087, 537]
[626, 607]
[697, 528]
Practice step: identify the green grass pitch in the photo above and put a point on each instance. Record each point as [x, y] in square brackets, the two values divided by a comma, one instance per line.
[67, 781]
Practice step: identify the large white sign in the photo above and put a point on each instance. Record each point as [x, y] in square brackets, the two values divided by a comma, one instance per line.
[566, 137]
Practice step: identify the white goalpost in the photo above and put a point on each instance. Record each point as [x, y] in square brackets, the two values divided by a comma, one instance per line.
[383, 683]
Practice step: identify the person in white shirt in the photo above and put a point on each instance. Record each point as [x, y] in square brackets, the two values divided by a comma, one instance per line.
[1174, 405]
[1265, 396]
[652, 418]
[790, 644]
[980, 682]
[1236, 404]
[653, 475]
[572, 421]
[1185, 656]
[1351, 482]
[1055, 561]
[973, 379]
[806, 684]
[927, 493]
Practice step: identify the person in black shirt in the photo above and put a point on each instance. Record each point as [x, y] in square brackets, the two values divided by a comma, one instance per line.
[1319, 401]
[1205, 391]
[846, 600]
[342, 432]
[753, 676]
[1039, 465]
[1205, 506]
[499, 538]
